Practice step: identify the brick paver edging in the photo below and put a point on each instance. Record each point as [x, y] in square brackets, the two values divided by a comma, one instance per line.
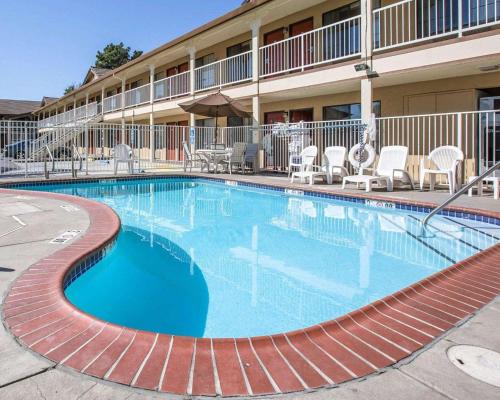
[352, 346]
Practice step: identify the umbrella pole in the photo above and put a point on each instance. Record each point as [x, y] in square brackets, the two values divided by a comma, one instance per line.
[216, 123]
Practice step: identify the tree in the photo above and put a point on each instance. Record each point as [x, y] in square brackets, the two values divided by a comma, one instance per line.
[71, 87]
[114, 55]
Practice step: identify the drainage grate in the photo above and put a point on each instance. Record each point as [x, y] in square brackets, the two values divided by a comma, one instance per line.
[66, 236]
[478, 362]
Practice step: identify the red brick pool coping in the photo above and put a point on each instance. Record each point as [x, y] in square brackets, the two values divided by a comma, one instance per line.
[352, 346]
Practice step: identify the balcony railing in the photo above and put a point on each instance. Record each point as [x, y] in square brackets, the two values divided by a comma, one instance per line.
[329, 43]
[173, 86]
[137, 96]
[112, 103]
[412, 21]
[78, 114]
[228, 71]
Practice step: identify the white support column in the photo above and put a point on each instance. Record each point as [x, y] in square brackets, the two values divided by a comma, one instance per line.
[255, 26]
[123, 108]
[192, 64]
[366, 100]
[103, 92]
[366, 55]
[151, 85]
[74, 108]
[366, 30]
[151, 115]
[151, 137]
[256, 117]
[86, 104]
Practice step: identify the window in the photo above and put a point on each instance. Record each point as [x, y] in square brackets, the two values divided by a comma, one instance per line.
[205, 123]
[159, 75]
[347, 111]
[208, 59]
[206, 77]
[239, 48]
[238, 68]
[238, 121]
[344, 39]
[342, 13]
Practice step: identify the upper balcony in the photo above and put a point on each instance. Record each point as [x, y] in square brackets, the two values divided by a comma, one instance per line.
[77, 115]
[413, 21]
[402, 24]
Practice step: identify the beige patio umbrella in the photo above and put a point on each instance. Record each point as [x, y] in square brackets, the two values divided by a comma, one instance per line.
[215, 105]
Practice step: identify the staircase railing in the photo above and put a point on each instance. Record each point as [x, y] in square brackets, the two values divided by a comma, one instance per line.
[454, 196]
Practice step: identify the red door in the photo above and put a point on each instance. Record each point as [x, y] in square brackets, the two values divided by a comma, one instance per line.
[274, 117]
[274, 56]
[171, 71]
[305, 115]
[301, 48]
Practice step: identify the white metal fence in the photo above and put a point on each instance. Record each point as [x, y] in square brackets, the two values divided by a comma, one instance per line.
[332, 42]
[230, 70]
[89, 147]
[281, 141]
[411, 21]
[476, 133]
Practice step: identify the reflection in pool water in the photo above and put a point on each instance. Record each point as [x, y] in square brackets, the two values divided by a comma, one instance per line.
[205, 259]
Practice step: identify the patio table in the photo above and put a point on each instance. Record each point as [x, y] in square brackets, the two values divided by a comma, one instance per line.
[214, 156]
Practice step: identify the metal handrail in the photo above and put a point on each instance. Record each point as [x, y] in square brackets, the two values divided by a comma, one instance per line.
[461, 191]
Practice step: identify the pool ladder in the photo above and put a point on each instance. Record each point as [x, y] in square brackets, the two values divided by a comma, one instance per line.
[489, 171]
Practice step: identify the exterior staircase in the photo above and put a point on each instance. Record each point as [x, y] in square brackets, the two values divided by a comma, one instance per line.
[59, 135]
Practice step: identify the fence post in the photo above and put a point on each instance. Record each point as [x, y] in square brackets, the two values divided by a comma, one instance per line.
[460, 18]
[25, 150]
[459, 131]
[86, 149]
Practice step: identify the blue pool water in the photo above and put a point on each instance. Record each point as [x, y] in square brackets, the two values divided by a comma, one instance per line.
[206, 259]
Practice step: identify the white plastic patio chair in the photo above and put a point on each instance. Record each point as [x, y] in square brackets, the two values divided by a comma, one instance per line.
[447, 160]
[122, 153]
[236, 158]
[307, 169]
[190, 159]
[333, 162]
[391, 166]
[493, 179]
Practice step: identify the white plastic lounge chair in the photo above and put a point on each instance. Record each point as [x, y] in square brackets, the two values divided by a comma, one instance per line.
[236, 157]
[122, 153]
[391, 167]
[447, 160]
[333, 162]
[190, 159]
[493, 179]
[308, 171]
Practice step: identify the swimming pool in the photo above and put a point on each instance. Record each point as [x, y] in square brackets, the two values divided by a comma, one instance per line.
[205, 259]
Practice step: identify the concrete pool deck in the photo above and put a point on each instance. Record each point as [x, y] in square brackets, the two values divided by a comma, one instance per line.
[429, 374]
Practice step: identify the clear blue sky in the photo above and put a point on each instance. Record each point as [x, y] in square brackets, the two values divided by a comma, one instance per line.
[46, 45]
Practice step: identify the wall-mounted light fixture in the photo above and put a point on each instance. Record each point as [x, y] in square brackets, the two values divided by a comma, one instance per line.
[489, 68]
[361, 67]
[365, 67]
